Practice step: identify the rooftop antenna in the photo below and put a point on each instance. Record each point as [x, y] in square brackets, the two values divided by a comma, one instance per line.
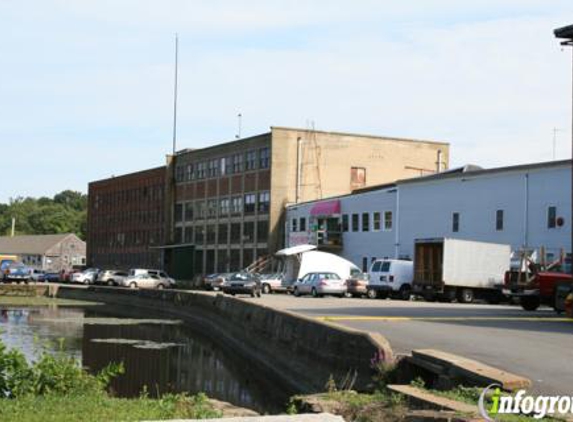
[555, 130]
[175, 95]
[240, 125]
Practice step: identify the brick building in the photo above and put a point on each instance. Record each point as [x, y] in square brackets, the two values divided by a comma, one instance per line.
[229, 199]
[126, 219]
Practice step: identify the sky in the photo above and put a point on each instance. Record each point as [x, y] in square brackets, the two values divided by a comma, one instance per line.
[86, 87]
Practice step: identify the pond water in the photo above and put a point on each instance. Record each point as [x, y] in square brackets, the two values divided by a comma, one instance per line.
[158, 355]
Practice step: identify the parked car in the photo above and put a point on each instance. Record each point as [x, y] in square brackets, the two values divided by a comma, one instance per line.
[391, 277]
[320, 284]
[357, 284]
[159, 273]
[52, 277]
[37, 275]
[111, 277]
[272, 282]
[243, 283]
[88, 276]
[216, 281]
[17, 271]
[147, 281]
[67, 275]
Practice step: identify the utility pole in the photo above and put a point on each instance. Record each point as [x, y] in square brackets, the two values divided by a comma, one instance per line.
[566, 34]
[13, 226]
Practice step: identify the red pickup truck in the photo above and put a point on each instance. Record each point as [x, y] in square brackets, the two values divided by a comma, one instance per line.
[537, 288]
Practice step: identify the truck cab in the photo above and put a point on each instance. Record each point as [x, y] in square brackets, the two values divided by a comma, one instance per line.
[391, 277]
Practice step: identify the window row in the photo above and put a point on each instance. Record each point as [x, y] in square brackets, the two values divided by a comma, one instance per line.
[235, 205]
[143, 194]
[226, 260]
[223, 234]
[232, 164]
[553, 221]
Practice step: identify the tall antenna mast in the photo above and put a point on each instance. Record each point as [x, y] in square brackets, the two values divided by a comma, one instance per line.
[239, 125]
[175, 95]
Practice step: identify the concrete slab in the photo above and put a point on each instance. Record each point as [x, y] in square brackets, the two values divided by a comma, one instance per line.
[433, 401]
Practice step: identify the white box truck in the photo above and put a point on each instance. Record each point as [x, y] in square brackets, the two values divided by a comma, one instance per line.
[446, 269]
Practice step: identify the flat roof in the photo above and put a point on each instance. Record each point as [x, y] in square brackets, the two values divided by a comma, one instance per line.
[127, 175]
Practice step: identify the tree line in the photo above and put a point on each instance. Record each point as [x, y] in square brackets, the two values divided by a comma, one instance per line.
[66, 212]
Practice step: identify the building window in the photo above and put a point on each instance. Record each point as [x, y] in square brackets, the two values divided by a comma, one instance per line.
[551, 217]
[264, 202]
[201, 170]
[200, 209]
[248, 232]
[236, 205]
[178, 213]
[250, 203]
[236, 233]
[365, 222]
[189, 211]
[178, 235]
[229, 165]
[499, 220]
[211, 234]
[364, 264]
[213, 168]
[357, 177]
[223, 166]
[189, 172]
[225, 206]
[251, 160]
[377, 223]
[237, 163]
[456, 222]
[355, 224]
[264, 158]
[388, 220]
[344, 222]
[212, 208]
[223, 234]
[262, 231]
[302, 224]
[188, 234]
[294, 223]
[179, 173]
[199, 235]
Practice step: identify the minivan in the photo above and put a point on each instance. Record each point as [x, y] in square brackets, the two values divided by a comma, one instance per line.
[391, 277]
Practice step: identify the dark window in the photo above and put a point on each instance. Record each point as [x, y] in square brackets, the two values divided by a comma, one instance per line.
[178, 235]
[237, 163]
[189, 172]
[365, 264]
[235, 261]
[199, 235]
[178, 213]
[222, 260]
[264, 158]
[188, 235]
[376, 221]
[264, 202]
[294, 223]
[551, 217]
[224, 206]
[211, 234]
[248, 257]
[189, 211]
[302, 224]
[388, 220]
[248, 232]
[223, 234]
[456, 222]
[355, 224]
[179, 173]
[229, 165]
[499, 220]
[213, 168]
[365, 222]
[251, 160]
[236, 233]
[212, 208]
[344, 222]
[236, 205]
[250, 203]
[262, 231]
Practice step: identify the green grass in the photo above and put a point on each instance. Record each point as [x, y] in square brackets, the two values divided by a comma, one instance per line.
[100, 407]
[41, 301]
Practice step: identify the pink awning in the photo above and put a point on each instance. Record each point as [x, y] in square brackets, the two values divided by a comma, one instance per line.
[326, 208]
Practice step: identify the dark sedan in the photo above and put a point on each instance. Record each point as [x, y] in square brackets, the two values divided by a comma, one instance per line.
[243, 283]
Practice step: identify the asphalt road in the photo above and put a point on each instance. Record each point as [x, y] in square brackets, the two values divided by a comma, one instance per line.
[538, 345]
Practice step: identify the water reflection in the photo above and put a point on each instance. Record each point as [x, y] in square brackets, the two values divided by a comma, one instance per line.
[159, 357]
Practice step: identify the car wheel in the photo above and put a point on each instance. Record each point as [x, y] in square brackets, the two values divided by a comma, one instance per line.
[296, 292]
[266, 289]
[530, 303]
[133, 285]
[111, 283]
[405, 292]
[466, 296]
[314, 292]
[372, 294]
[160, 286]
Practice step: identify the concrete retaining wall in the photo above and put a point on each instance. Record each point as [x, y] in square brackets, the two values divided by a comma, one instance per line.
[300, 352]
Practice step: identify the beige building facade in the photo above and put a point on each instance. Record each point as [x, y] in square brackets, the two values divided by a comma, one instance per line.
[227, 202]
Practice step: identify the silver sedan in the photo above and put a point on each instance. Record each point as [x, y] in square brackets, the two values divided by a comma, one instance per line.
[320, 284]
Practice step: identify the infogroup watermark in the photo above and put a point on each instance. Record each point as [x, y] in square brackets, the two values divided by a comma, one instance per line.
[521, 403]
